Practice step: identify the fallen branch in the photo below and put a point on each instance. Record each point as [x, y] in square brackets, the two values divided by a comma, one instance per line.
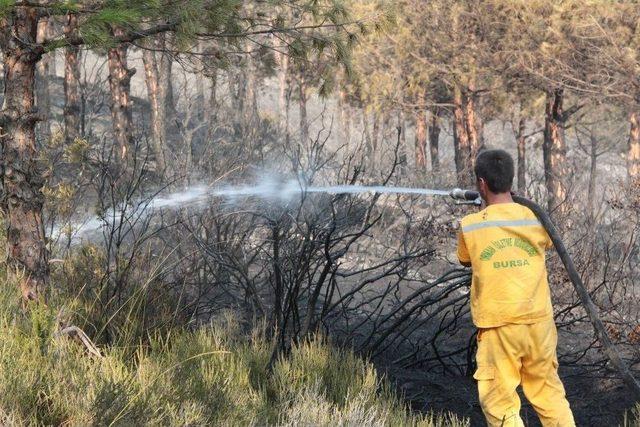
[75, 332]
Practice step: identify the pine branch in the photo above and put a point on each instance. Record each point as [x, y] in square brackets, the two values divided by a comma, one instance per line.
[128, 37]
[131, 36]
[277, 30]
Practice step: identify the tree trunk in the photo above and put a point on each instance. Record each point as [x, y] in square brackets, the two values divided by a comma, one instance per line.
[593, 175]
[120, 85]
[345, 118]
[284, 95]
[479, 122]
[521, 141]
[250, 113]
[461, 143]
[474, 127]
[157, 106]
[434, 139]
[51, 33]
[302, 104]
[283, 85]
[71, 83]
[238, 88]
[402, 149]
[165, 66]
[212, 111]
[421, 140]
[27, 263]
[200, 98]
[372, 146]
[368, 139]
[633, 150]
[164, 62]
[42, 83]
[554, 151]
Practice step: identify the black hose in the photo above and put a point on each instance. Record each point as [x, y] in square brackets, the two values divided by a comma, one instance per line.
[583, 294]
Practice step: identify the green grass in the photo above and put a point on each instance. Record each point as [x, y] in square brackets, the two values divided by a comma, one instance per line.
[216, 375]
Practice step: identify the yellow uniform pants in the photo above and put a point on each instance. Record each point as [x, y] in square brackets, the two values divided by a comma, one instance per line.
[511, 355]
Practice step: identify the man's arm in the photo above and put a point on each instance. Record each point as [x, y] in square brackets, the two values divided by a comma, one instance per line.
[549, 243]
[463, 252]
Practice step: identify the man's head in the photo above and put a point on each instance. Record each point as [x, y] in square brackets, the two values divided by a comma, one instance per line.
[494, 172]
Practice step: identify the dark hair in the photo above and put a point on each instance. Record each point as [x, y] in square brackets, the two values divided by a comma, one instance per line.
[496, 168]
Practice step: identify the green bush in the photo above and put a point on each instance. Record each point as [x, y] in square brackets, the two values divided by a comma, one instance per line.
[213, 376]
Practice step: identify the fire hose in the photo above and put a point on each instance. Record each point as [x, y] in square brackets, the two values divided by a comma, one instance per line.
[473, 197]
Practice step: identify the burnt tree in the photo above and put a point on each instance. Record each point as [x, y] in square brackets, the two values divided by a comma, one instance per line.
[155, 80]
[521, 140]
[421, 140]
[43, 74]
[633, 148]
[554, 149]
[467, 137]
[71, 82]
[434, 138]
[120, 85]
[22, 179]
[22, 174]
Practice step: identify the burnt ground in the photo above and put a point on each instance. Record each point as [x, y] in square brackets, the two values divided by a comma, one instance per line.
[595, 401]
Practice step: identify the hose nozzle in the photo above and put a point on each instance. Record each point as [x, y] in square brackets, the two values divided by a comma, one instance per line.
[466, 197]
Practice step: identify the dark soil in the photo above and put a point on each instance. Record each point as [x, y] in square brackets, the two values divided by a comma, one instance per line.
[595, 401]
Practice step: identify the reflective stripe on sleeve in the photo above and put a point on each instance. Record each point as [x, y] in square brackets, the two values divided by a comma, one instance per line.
[502, 223]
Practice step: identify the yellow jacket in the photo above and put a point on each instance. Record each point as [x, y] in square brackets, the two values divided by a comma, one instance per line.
[505, 244]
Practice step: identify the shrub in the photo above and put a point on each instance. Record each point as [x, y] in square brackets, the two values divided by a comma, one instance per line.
[214, 375]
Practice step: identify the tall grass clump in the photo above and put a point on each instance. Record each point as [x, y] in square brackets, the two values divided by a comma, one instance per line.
[632, 417]
[216, 375]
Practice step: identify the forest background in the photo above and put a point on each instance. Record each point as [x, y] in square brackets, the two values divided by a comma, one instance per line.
[266, 309]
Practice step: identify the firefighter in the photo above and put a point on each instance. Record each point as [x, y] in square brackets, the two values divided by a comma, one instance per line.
[504, 244]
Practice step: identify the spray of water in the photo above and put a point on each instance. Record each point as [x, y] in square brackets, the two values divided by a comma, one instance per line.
[359, 189]
[271, 190]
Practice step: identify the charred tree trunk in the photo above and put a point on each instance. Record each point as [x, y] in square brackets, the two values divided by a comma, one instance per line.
[27, 263]
[120, 85]
[368, 139]
[252, 92]
[461, 143]
[376, 132]
[434, 139]
[345, 117]
[402, 149]
[474, 127]
[200, 104]
[250, 117]
[212, 111]
[633, 150]
[283, 85]
[51, 33]
[71, 82]
[238, 87]
[157, 106]
[421, 140]
[521, 142]
[164, 62]
[165, 66]
[554, 151]
[42, 83]
[284, 95]
[593, 175]
[302, 105]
